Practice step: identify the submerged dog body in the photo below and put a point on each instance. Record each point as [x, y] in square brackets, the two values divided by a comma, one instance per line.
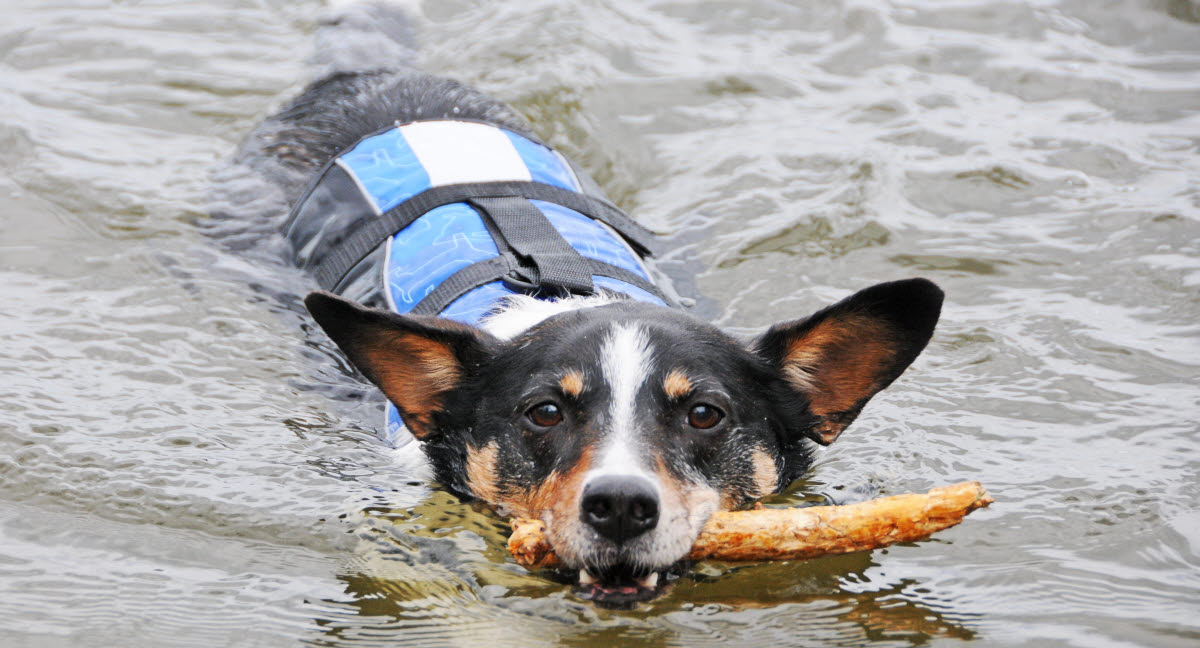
[620, 422]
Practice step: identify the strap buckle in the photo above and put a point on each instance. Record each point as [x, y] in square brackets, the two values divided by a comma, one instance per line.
[524, 279]
[519, 280]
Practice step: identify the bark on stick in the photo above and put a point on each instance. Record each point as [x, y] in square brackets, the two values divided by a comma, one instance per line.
[797, 533]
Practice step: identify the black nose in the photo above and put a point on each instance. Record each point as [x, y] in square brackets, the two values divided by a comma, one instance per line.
[619, 507]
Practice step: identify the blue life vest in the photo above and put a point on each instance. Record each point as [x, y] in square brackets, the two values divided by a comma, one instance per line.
[412, 204]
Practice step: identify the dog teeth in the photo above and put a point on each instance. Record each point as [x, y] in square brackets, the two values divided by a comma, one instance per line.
[647, 582]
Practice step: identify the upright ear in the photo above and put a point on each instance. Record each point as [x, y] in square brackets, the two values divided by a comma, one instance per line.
[415, 360]
[843, 355]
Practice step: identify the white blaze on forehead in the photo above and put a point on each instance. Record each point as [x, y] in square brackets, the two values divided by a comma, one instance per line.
[625, 363]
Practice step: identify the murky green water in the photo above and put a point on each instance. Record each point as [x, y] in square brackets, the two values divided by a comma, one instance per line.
[183, 463]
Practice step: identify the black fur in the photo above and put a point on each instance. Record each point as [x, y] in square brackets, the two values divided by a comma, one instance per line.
[342, 108]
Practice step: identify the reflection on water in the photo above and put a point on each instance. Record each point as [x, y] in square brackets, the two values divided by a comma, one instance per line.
[183, 460]
[444, 559]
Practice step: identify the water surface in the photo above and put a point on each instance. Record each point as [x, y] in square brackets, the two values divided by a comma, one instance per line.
[183, 461]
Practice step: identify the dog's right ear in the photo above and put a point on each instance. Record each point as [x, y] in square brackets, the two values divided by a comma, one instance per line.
[840, 357]
[414, 359]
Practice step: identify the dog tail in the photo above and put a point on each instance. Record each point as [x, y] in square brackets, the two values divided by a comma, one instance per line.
[356, 36]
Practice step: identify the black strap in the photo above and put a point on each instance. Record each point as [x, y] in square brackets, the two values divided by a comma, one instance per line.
[556, 265]
[602, 269]
[345, 253]
[464, 281]
[502, 267]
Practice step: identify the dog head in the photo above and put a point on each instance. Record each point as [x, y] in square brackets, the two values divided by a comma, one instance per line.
[624, 426]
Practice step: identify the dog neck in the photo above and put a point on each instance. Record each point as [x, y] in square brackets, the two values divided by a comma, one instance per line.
[519, 313]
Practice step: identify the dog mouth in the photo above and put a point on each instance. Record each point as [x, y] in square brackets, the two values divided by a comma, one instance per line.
[620, 585]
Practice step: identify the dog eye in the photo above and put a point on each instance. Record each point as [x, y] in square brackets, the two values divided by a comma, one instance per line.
[704, 416]
[545, 414]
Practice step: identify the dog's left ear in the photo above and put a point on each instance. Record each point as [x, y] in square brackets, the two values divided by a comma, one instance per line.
[415, 360]
[843, 355]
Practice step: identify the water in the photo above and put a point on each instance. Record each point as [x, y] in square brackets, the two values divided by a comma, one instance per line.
[182, 461]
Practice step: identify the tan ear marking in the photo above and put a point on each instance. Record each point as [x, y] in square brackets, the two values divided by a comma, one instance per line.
[414, 372]
[676, 384]
[839, 362]
[572, 383]
[441, 367]
[828, 431]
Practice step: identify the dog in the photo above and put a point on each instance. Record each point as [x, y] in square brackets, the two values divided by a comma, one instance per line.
[522, 336]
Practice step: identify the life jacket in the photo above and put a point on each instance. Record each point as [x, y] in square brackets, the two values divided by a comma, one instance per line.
[448, 217]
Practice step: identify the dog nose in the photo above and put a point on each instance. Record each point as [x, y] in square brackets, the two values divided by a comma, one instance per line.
[619, 507]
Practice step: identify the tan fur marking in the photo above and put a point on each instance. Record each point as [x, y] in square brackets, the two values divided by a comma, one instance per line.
[766, 474]
[572, 383]
[481, 472]
[677, 384]
[839, 362]
[555, 502]
[555, 495]
[414, 372]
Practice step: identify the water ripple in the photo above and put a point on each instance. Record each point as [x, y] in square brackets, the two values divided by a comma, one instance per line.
[185, 461]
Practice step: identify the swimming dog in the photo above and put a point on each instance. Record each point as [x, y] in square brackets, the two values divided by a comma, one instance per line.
[524, 340]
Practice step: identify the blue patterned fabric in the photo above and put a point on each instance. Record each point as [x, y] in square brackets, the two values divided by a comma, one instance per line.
[435, 246]
[390, 168]
[387, 169]
[544, 164]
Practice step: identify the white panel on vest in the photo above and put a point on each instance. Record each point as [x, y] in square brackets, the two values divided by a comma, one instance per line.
[455, 152]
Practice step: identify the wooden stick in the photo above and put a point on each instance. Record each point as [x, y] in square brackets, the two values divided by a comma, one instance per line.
[797, 533]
